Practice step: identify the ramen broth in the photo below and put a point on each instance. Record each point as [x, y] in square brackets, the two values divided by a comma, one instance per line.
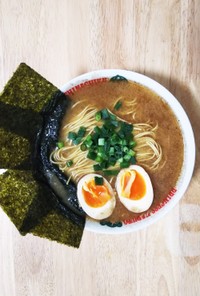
[149, 107]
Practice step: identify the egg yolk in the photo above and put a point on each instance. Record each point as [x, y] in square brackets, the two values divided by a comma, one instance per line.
[95, 195]
[133, 185]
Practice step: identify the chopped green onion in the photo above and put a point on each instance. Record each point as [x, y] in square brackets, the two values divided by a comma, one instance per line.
[118, 148]
[115, 123]
[101, 154]
[118, 105]
[95, 137]
[126, 127]
[77, 141]
[120, 160]
[104, 164]
[98, 180]
[113, 140]
[97, 130]
[124, 142]
[98, 116]
[113, 116]
[118, 154]
[101, 141]
[60, 145]
[127, 157]
[125, 149]
[69, 163]
[133, 160]
[98, 159]
[104, 131]
[88, 143]
[81, 132]
[121, 134]
[96, 167]
[105, 114]
[88, 138]
[112, 161]
[132, 144]
[110, 172]
[101, 149]
[83, 147]
[91, 155]
[112, 151]
[72, 136]
[124, 165]
[131, 152]
[107, 146]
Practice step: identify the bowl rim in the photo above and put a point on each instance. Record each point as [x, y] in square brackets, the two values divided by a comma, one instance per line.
[188, 137]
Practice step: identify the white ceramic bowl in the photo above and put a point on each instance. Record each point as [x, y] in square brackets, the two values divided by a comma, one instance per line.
[189, 146]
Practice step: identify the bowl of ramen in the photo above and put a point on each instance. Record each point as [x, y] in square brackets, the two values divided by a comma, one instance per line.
[127, 145]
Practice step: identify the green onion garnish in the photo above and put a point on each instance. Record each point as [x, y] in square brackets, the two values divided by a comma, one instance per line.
[77, 141]
[133, 160]
[98, 180]
[132, 144]
[83, 147]
[96, 167]
[112, 151]
[104, 164]
[99, 159]
[72, 136]
[110, 172]
[81, 132]
[91, 155]
[118, 105]
[127, 157]
[124, 164]
[69, 163]
[98, 116]
[97, 130]
[131, 152]
[60, 144]
[120, 160]
[105, 114]
[109, 144]
[101, 141]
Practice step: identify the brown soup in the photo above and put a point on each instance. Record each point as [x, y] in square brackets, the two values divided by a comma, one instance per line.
[148, 107]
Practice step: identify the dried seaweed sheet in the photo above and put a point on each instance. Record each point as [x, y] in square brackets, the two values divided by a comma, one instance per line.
[23, 97]
[23, 199]
[34, 212]
[18, 131]
[56, 227]
[15, 151]
[27, 89]
[29, 201]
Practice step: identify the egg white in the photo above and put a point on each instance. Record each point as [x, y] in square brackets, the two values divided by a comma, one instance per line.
[137, 205]
[99, 212]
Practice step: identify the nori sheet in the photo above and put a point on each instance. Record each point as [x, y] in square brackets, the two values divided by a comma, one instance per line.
[23, 199]
[29, 201]
[56, 227]
[27, 89]
[18, 131]
[29, 206]
[15, 151]
[22, 99]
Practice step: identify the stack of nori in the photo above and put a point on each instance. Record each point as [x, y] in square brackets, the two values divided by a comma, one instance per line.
[26, 104]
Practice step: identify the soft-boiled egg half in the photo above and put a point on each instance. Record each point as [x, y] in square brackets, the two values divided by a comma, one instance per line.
[134, 189]
[98, 201]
